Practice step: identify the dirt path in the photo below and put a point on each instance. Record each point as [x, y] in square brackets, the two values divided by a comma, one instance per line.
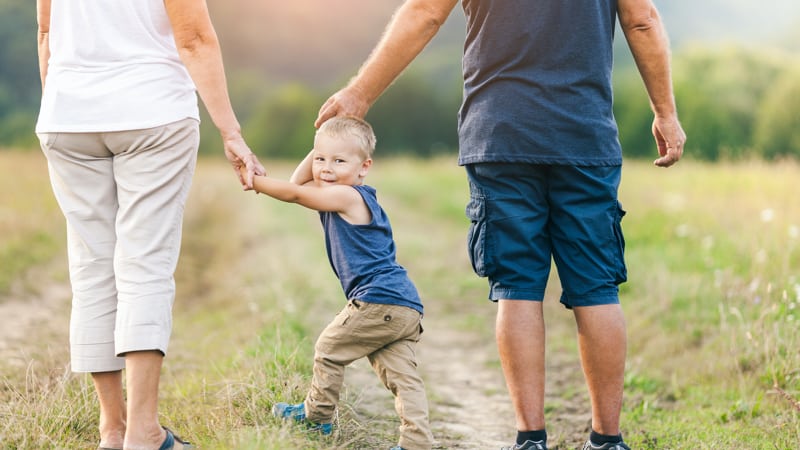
[32, 313]
[471, 408]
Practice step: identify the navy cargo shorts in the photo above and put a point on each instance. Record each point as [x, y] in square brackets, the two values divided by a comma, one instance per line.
[522, 215]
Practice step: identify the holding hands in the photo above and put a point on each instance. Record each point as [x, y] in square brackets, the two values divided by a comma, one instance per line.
[244, 161]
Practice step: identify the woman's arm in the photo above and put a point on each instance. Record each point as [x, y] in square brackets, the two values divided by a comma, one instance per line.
[200, 52]
[43, 19]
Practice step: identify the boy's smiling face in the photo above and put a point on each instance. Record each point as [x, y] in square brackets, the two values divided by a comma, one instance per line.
[338, 160]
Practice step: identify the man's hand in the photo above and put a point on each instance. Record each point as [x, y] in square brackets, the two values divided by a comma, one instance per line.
[244, 161]
[670, 140]
[349, 101]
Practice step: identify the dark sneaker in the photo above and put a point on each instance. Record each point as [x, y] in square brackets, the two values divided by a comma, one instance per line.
[528, 445]
[298, 414]
[607, 446]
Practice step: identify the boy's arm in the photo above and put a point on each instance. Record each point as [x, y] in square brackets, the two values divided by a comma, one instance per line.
[302, 174]
[340, 198]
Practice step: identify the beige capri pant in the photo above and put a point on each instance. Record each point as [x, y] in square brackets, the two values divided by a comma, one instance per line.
[123, 195]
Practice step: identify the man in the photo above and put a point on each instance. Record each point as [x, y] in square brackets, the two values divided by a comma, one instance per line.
[539, 143]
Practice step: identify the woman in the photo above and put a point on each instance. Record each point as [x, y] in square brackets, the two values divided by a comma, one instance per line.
[119, 127]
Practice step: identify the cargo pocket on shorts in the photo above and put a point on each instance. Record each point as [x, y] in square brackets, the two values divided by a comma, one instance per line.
[622, 271]
[477, 243]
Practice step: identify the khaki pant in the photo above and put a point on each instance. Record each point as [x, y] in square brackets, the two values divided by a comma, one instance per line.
[387, 335]
[123, 195]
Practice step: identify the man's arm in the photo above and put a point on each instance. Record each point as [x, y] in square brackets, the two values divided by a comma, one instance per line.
[413, 25]
[649, 45]
[199, 50]
[43, 38]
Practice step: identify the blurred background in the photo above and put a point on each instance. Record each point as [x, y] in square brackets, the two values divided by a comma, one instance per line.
[713, 247]
[736, 72]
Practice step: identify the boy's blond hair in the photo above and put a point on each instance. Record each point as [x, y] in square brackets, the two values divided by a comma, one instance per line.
[349, 126]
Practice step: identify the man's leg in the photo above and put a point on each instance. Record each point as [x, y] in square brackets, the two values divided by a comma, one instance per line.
[521, 344]
[602, 342]
[509, 243]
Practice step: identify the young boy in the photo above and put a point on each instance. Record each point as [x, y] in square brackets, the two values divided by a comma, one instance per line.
[382, 319]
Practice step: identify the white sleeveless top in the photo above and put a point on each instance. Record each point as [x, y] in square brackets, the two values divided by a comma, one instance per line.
[113, 66]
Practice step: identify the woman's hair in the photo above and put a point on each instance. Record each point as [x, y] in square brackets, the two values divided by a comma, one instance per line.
[348, 126]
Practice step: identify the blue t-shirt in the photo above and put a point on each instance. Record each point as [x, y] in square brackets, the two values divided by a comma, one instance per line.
[363, 257]
[537, 83]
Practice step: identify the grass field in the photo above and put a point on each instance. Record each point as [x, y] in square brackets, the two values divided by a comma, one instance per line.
[713, 254]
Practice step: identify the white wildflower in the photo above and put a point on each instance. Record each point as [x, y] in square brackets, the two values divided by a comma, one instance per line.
[754, 283]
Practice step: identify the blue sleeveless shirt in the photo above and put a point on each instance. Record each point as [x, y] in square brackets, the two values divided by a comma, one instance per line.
[363, 257]
[537, 83]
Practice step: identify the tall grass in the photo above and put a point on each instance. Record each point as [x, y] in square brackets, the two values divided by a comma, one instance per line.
[712, 301]
[712, 305]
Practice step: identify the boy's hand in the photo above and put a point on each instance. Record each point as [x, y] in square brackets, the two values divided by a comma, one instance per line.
[242, 173]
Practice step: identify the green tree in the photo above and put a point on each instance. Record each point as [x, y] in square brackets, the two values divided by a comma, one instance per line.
[416, 117]
[283, 126]
[633, 114]
[19, 73]
[777, 131]
[719, 92]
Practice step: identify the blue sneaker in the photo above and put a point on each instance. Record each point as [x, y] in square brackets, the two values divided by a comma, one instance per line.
[527, 445]
[298, 414]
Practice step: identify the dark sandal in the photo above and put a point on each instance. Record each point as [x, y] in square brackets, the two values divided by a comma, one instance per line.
[172, 442]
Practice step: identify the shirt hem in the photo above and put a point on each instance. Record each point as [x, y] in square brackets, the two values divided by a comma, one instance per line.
[590, 162]
[110, 128]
